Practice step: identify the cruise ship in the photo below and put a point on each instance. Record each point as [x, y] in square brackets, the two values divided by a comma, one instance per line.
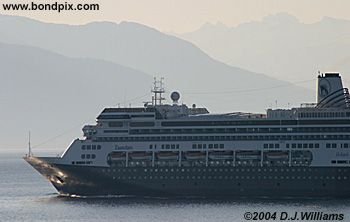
[175, 150]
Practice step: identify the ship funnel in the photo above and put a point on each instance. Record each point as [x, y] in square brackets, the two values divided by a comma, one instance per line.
[330, 92]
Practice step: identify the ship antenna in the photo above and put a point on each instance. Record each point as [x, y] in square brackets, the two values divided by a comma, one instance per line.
[158, 90]
[29, 146]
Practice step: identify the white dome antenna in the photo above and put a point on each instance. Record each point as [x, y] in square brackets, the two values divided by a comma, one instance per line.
[175, 96]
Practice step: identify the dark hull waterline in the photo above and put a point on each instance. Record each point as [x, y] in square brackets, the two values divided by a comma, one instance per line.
[223, 182]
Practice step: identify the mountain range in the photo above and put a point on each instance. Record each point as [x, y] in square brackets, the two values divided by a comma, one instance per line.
[280, 46]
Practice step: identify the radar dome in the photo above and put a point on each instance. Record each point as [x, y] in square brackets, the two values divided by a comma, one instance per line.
[175, 96]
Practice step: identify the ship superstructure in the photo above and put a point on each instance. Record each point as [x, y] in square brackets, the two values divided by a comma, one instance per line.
[172, 149]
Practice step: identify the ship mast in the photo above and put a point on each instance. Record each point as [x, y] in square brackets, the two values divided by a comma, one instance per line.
[29, 146]
[158, 90]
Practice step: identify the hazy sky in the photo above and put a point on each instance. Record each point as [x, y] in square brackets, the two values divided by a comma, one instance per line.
[187, 15]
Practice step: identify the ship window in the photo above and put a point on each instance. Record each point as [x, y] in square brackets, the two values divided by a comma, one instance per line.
[270, 145]
[150, 146]
[346, 145]
[167, 146]
[222, 146]
[98, 147]
[277, 146]
[115, 124]
[194, 146]
[83, 156]
[177, 146]
[210, 146]
[342, 161]
[300, 145]
[87, 156]
[199, 146]
[216, 146]
[266, 145]
[83, 147]
[304, 145]
[311, 145]
[142, 124]
[287, 145]
[93, 156]
[88, 147]
[162, 146]
[94, 147]
[172, 146]
[328, 145]
[317, 145]
[334, 145]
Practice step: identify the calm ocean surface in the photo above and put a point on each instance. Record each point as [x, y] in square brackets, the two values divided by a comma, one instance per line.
[27, 196]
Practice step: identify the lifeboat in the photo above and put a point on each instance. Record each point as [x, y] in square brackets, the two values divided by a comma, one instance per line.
[277, 155]
[167, 155]
[140, 155]
[220, 155]
[248, 155]
[195, 155]
[117, 156]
